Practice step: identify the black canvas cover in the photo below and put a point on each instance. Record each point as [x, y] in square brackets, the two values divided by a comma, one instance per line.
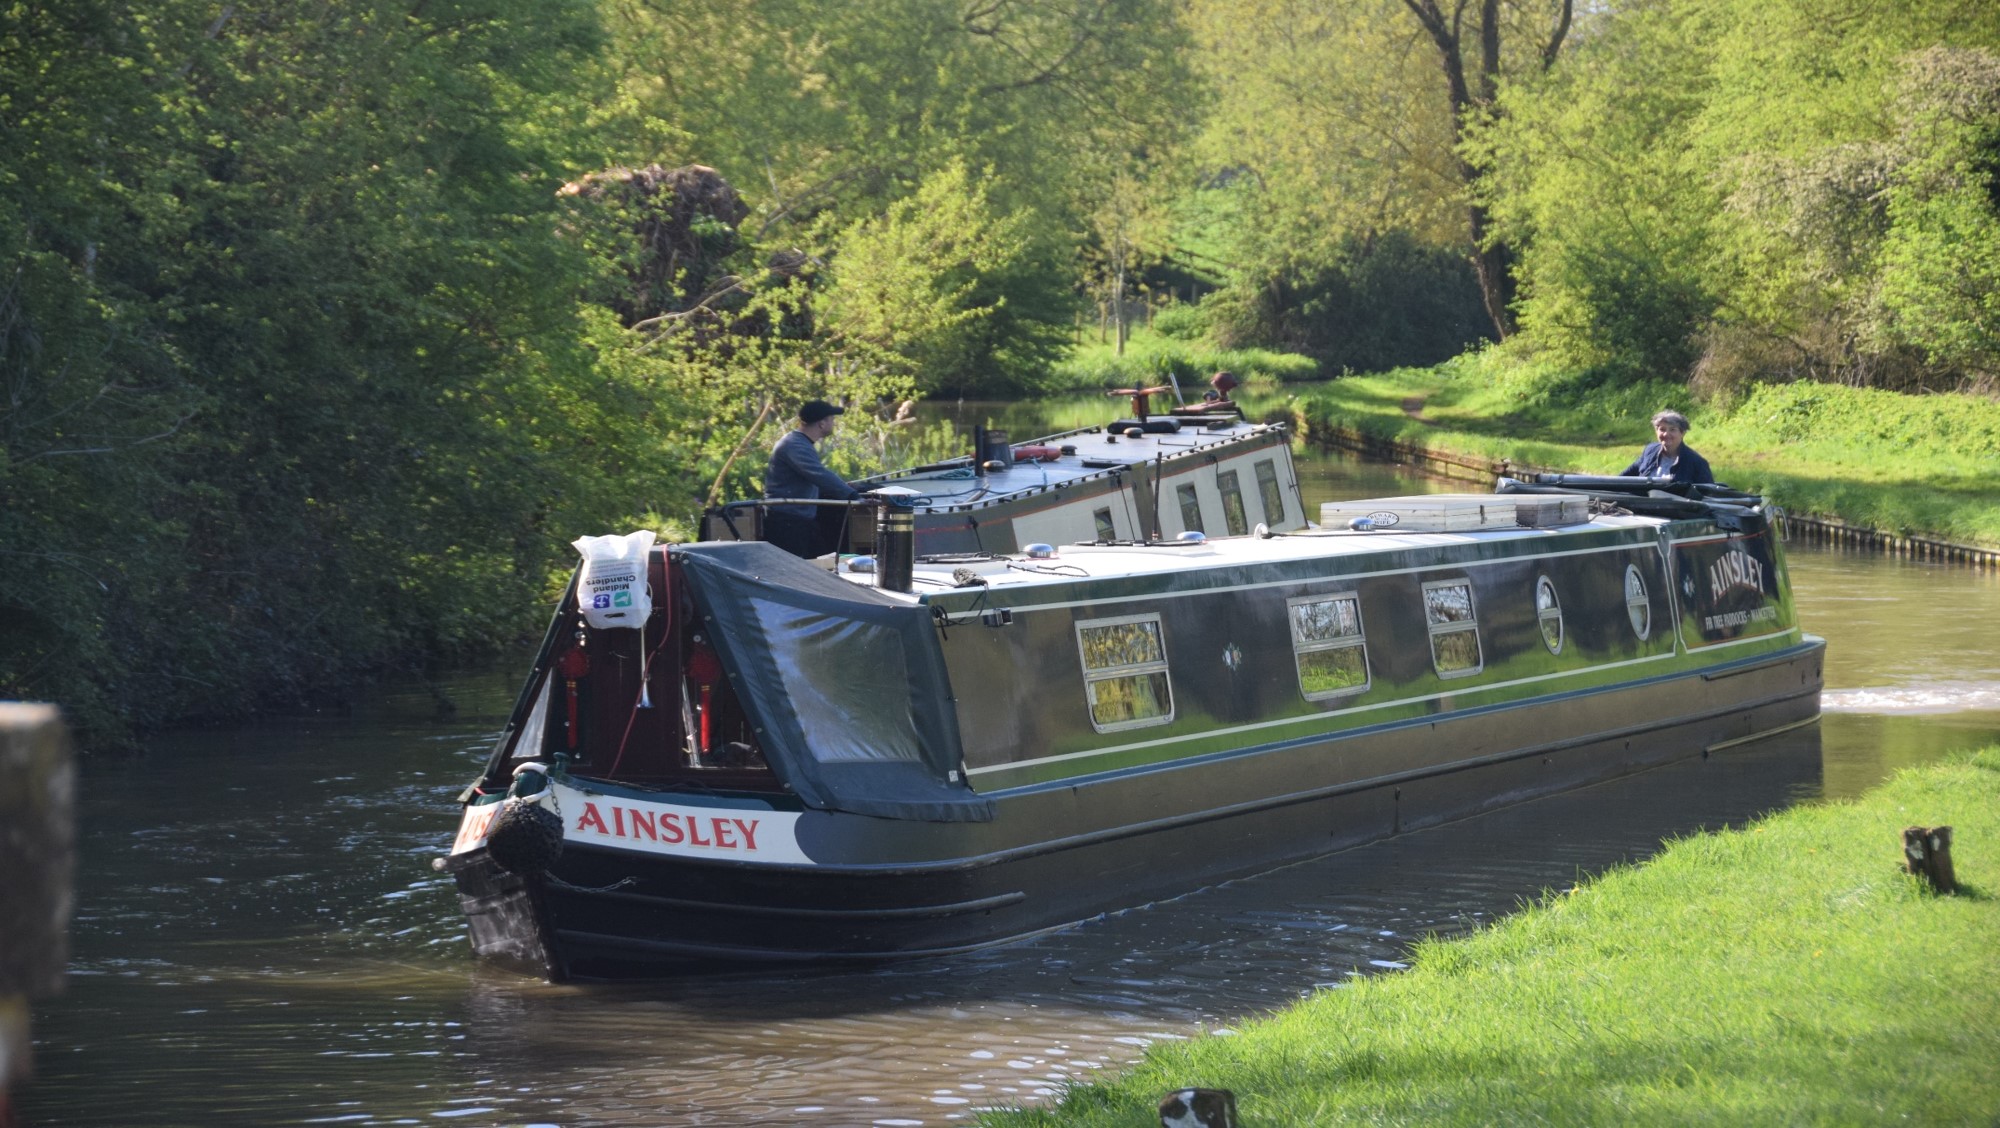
[847, 684]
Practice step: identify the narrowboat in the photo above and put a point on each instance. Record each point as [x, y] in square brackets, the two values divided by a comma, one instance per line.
[1109, 669]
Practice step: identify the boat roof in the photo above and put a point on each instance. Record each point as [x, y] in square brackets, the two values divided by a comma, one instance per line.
[957, 484]
[941, 575]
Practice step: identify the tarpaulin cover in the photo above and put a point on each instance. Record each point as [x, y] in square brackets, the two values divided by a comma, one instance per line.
[847, 685]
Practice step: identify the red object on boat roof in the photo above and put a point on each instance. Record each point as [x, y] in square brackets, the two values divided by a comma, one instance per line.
[1141, 399]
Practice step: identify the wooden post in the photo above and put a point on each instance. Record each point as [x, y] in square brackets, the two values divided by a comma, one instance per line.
[38, 841]
[1927, 853]
[1198, 1108]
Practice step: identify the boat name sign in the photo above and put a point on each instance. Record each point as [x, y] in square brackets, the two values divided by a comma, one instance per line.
[1732, 570]
[657, 828]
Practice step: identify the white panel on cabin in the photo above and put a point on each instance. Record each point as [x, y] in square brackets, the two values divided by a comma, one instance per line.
[1076, 521]
[1207, 504]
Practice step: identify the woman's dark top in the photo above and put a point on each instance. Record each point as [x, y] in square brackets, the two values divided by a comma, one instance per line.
[1690, 467]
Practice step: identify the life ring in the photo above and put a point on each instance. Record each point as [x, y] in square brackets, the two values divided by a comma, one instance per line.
[1036, 454]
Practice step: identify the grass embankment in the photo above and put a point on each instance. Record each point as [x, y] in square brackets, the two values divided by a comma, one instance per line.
[1783, 973]
[1901, 464]
[1150, 357]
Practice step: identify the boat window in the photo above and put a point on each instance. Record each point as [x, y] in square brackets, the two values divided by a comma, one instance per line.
[1106, 531]
[1232, 504]
[1267, 488]
[1327, 639]
[1549, 610]
[1190, 509]
[1454, 629]
[1125, 672]
[1638, 604]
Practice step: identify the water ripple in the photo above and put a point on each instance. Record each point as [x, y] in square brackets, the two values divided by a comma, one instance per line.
[1927, 698]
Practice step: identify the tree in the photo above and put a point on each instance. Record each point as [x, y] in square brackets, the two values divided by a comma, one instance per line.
[1472, 90]
[279, 320]
[1330, 141]
[826, 114]
[1940, 279]
[945, 290]
[1132, 226]
[1736, 189]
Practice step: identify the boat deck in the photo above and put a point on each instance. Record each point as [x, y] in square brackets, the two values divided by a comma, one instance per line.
[1073, 562]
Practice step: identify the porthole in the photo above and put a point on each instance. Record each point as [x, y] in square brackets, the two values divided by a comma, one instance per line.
[1549, 610]
[1638, 605]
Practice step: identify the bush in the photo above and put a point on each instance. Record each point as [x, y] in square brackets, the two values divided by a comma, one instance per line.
[1181, 322]
[1152, 359]
[1382, 302]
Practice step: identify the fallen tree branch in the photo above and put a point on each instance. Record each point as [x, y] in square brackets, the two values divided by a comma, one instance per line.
[715, 491]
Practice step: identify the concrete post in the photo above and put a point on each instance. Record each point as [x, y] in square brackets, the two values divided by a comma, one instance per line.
[37, 854]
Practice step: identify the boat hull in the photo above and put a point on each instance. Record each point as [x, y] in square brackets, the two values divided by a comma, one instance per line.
[865, 888]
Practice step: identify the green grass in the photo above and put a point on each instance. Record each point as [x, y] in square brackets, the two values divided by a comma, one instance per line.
[1784, 973]
[1150, 357]
[1911, 465]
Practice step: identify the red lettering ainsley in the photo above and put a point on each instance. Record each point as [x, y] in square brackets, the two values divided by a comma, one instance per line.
[714, 832]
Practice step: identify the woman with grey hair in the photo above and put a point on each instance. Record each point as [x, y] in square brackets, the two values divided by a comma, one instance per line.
[1670, 457]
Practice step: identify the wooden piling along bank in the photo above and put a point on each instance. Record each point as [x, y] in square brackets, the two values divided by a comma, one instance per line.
[1806, 527]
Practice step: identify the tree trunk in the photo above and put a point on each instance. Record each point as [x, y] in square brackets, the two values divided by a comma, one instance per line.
[1492, 260]
[1118, 304]
[1494, 264]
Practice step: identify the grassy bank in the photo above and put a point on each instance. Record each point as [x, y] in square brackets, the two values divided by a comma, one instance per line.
[1784, 973]
[1150, 358]
[1909, 465]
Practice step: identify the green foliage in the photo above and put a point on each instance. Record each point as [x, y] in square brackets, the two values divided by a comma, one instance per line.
[1371, 304]
[1868, 426]
[1153, 359]
[947, 292]
[1182, 321]
[835, 110]
[1941, 254]
[1734, 191]
[1785, 972]
[272, 328]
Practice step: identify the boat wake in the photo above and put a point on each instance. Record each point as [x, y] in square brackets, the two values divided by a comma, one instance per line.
[1931, 697]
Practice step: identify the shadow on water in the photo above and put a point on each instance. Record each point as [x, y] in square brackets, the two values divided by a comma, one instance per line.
[260, 939]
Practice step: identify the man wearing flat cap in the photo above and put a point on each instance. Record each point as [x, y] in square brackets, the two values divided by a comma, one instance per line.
[795, 471]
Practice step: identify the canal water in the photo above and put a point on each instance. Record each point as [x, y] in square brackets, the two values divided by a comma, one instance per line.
[260, 939]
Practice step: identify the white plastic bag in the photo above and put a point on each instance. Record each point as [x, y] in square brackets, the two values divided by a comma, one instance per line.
[612, 592]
